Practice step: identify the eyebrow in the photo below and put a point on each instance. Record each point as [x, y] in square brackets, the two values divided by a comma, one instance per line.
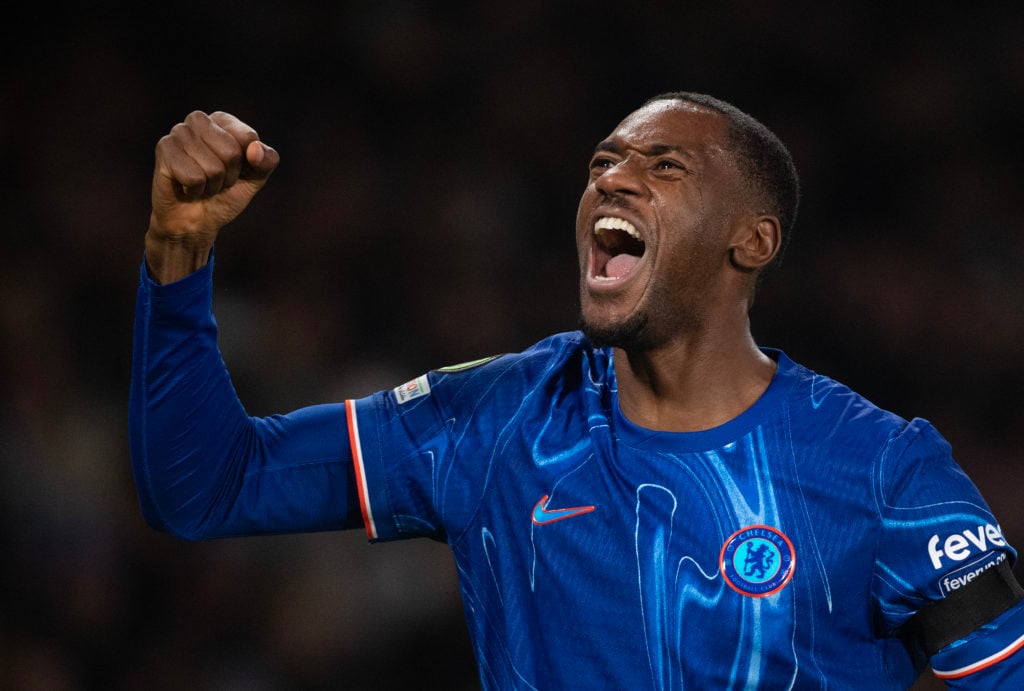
[611, 146]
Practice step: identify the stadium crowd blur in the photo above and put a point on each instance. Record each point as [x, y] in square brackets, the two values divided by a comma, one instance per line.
[432, 158]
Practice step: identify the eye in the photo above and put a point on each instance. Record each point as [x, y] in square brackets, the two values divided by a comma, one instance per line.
[668, 164]
[601, 162]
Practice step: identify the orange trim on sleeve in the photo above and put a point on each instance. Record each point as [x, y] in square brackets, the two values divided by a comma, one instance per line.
[357, 461]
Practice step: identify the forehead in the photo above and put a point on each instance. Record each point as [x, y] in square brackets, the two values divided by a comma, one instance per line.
[690, 128]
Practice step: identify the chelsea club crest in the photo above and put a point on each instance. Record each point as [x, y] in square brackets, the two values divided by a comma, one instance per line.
[757, 561]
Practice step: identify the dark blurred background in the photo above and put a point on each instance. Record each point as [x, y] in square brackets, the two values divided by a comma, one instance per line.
[432, 158]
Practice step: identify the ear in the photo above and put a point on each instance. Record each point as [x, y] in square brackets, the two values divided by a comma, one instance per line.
[756, 241]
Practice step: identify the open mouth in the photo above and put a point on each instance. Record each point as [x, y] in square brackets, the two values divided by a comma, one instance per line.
[617, 248]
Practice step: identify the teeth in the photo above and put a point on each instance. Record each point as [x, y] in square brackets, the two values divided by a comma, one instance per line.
[612, 223]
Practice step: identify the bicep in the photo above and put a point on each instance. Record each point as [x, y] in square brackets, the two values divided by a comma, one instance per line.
[298, 475]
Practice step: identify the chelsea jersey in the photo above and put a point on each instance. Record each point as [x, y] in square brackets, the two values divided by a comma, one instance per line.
[783, 549]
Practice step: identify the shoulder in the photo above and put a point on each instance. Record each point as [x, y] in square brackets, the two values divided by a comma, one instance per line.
[820, 397]
[556, 363]
[829, 412]
[558, 355]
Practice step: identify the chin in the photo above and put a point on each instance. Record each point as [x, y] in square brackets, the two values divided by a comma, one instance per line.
[629, 333]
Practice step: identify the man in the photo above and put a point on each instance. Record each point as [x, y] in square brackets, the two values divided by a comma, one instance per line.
[653, 503]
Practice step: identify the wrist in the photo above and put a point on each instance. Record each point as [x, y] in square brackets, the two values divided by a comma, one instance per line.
[171, 259]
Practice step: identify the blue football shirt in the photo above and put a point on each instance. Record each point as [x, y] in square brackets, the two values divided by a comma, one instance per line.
[783, 549]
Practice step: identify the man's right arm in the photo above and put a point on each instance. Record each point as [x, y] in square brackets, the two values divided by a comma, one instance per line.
[203, 467]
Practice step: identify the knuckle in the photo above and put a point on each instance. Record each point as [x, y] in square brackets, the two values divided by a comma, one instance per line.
[213, 170]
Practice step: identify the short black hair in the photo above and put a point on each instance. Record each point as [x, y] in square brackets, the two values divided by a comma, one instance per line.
[764, 160]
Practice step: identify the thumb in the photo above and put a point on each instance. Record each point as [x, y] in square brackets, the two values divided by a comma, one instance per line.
[262, 160]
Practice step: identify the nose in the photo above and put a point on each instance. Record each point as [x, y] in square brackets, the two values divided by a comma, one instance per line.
[620, 179]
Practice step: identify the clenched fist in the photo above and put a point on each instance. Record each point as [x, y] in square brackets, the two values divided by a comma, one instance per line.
[208, 169]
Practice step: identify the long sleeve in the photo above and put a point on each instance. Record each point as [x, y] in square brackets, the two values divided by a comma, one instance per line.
[203, 467]
[989, 658]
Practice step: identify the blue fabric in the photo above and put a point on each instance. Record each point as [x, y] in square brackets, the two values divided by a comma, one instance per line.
[632, 594]
[202, 466]
[783, 549]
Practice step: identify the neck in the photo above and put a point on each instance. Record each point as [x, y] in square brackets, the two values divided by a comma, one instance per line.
[692, 384]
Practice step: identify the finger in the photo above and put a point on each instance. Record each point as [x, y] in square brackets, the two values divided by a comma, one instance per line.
[177, 165]
[262, 160]
[241, 134]
[217, 150]
[187, 158]
[227, 122]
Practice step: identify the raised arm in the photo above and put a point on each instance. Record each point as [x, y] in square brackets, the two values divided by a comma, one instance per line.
[202, 466]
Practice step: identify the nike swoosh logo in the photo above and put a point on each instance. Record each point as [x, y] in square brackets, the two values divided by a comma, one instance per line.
[542, 515]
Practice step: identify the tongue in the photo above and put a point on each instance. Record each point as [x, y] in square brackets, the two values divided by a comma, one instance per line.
[620, 265]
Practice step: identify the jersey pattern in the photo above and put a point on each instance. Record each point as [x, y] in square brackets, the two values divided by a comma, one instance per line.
[783, 549]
